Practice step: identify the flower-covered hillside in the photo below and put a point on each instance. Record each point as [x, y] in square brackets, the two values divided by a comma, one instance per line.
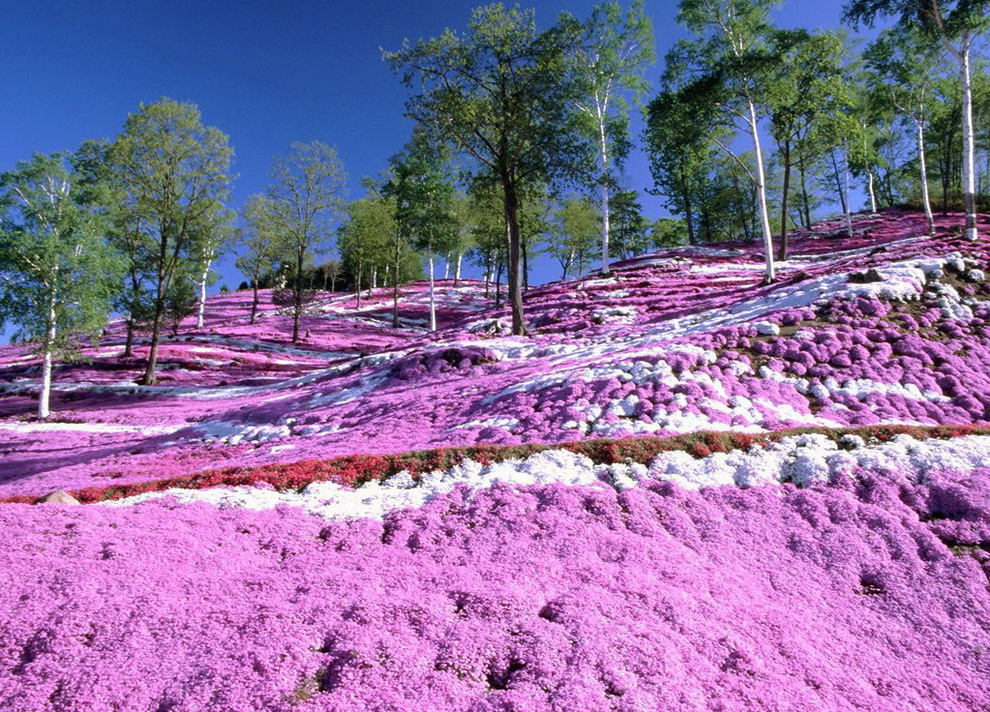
[844, 569]
[546, 584]
[888, 326]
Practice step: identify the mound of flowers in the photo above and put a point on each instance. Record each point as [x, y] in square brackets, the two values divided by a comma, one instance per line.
[572, 587]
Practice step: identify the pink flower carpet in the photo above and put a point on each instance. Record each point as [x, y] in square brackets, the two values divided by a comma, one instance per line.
[814, 573]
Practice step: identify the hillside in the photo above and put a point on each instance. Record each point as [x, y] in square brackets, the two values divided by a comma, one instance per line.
[829, 550]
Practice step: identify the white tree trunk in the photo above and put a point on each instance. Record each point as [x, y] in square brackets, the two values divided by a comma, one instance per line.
[433, 304]
[374, 279]
[761, 189]
[845, 190]
[457, 267]
[446, 266]
[207, 263]
[969, 142]
[926, 201]
[44, 398]
[603, 189]
[873, 194]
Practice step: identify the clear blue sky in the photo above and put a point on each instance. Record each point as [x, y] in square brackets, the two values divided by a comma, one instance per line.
[265, 72]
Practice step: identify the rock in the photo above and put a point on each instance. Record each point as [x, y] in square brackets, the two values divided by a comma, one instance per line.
[866, 277]
[58, 497]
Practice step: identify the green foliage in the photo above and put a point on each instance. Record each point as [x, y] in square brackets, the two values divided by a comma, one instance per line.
[680, 152]
[500, 92]
[629, 227]
[669, 232]
[938, 18]
[610, 62]
[370, 239]
[259, 239]
[902, 69]
[723, 74]
[304, 196]
[956, 25]
[58, 275]
[423, 194]
[804, 93]
[56, 269]
[572, 235]
[486, 220]
[171, 175]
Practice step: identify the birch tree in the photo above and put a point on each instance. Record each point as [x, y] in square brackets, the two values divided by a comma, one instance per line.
[726, 67]
[214, 242]
[903, 67]
[425, 203]
[612, 59]
[58, 276]
[956, 25]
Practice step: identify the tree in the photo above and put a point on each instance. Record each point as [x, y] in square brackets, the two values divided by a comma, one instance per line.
[944, 137]
[630, 227]
[373, 237]
[611, 59]
[304, 196]
[573, 234]
[259, 238]
[58, 275]
[499, 93]
[668, 232]
[370, 238]
[331, 270]
[802, 90]
[97, 176]
[730, 61]
[173, 175]
[465, 231]
[903, 66]
[680, 153]
[956, 24]
[215, 241]
[488, 233]
[873, 120]
[424, 200]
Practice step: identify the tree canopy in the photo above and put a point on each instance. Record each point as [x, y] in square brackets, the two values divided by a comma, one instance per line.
[499, 91]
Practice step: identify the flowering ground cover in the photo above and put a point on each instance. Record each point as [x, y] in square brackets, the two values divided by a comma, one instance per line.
[753, 569]
[865, 589]
[887, 326]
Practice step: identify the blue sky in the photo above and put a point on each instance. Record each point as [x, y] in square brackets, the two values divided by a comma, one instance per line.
[265, 72]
